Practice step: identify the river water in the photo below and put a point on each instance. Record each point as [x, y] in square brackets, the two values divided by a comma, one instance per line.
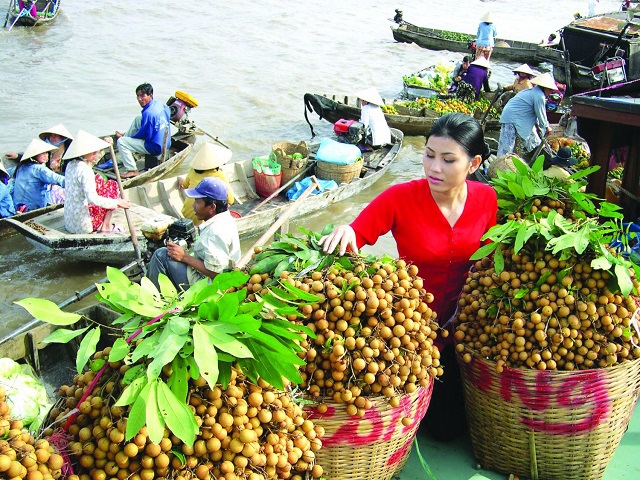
[248, 63]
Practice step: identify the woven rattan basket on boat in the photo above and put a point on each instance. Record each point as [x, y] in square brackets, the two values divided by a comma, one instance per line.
[339, 173]
[548, 425]
[290, 167]
[374, 447]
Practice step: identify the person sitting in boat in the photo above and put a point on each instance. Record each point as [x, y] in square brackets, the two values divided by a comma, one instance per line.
[7, 208]
[57, 136]
[486, 37]
[523, 74]
[398, 16]
[217, 247]
[146, 133]
[205, 163]
[30, 6]
[371, 116]
[477, 75]
[520, 116]
[90, 200]
[459, 68]
[32, 176]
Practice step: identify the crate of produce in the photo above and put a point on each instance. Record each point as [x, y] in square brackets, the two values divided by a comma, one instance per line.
[553, 425]
[293, 158]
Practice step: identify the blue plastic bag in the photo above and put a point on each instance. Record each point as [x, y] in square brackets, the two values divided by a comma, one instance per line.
[299, 187]
[337, 153]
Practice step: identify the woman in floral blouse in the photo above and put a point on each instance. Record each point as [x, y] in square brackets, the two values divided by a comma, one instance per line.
[83, 192]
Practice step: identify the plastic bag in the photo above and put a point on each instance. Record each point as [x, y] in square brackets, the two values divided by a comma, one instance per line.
[266, 165]
[337, 153]
[299, 187]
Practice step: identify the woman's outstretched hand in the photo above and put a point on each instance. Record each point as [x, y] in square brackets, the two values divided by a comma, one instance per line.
[342, 235]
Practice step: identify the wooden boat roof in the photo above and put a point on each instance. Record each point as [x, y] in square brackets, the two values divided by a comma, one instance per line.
[608, 24]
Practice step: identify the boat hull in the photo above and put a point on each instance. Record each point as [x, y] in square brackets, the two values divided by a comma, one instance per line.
[47, 13]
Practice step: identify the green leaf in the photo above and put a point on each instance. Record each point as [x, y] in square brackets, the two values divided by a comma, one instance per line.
[601, 263]
[205, 354]
[517, 190]
[521, 292]
[624, 279]
[301, 294]
[136, 371]
[145, 347]
[87, 348]
[177, 415]
[328, 228]
[137, 414]
[168, 347]
[167, 289]
[527, 187]
[132, 392]
[47, 311]
[179, 325]
[63, 335]
[484, 251]
[178, 381]
[119, 350]
[498, 260]
[155, 421]
[227, 343]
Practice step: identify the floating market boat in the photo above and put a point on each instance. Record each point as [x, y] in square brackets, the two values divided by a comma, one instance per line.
[409, 121]
[47, 232]
[165, 196]
[31, 12]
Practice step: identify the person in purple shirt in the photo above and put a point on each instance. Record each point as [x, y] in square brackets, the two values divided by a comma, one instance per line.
[146, 133]
[477, 75]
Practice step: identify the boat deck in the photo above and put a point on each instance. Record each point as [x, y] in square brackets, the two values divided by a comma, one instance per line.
[455, 461]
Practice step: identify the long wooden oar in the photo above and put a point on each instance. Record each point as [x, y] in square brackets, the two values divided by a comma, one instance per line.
[283, 218]
[283, 187]
[132, 230]
[213, 138]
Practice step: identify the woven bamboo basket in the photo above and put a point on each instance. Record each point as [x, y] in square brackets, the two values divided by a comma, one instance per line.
[551, 425]
[339, 173]
[290, 167]
[374, 447]
[503, 162]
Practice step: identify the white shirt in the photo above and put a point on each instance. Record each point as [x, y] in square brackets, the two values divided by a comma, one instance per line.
[374, 123]
[218, 246]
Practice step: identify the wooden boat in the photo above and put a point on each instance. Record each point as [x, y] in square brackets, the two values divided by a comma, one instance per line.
[21, 14]
[165, 196]
[435, 39]
[181, 145]
[599, 51]
[333, 108]
[47, 232]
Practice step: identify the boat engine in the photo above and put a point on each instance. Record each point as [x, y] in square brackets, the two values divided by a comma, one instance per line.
[180, 104]
[349, 131]
[181, 232]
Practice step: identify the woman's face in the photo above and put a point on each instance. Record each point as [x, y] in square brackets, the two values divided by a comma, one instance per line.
[91, 157]
[42, 157]
[447, 164]
[55, 139]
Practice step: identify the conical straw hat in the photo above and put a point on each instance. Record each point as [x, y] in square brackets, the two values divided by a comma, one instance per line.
[210, 156]
[58, 130]
[36, 147]
[370, 95]
[481, 62]
[545, 81]
[487, 18]
[524, 68]
[84, 143]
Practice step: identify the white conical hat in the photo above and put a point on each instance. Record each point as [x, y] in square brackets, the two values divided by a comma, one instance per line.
[36, 147]
[370, 95]
[487, 18]
[58, 130]
[210, 156]
[524, 68]
[545, 81]
[84, 143]
[481, 62]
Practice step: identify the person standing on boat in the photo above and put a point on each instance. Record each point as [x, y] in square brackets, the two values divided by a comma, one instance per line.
[217, 247]
[477, 75]
[520, 116]
[32, 176]
[83, 192]
[437, 223]
[146, 133]
[486, 37]
[523, 74]
[371, 116]
[7, 208]
[205, 163]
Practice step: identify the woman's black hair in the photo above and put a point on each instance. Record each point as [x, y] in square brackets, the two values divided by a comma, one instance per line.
[464, 130]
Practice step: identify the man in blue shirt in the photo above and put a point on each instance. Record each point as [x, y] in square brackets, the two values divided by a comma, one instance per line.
[147, 131]
[522, 113]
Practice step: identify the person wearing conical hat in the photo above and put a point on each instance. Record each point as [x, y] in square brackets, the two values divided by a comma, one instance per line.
[371, 116]
[59, 137]
[486, 36]
[89, 201]
[32, 176]
[7, 208]
[477, 75]
[205, 163]
[523, 74]
[520, 116]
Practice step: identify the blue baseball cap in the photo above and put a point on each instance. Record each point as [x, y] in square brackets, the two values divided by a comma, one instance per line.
[210, 187]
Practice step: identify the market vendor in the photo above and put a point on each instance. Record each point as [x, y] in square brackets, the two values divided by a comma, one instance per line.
[477, 75]
[376, 129]
[520, 116]
[217, 247]
[437, 223]
[523, 74]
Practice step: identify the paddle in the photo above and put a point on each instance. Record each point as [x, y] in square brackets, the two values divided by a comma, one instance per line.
[18, 17]
[213, 138]
[496, 95]
[132, 230]
[277, 192]
[283, 218]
